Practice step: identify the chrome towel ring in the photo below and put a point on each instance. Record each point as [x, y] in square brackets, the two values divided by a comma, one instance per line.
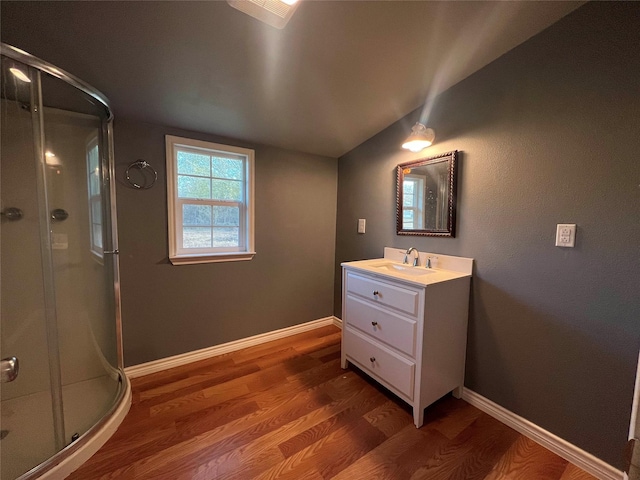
[148, 173]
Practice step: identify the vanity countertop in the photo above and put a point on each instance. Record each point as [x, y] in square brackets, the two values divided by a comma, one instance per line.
[407, 273]
[445, 267]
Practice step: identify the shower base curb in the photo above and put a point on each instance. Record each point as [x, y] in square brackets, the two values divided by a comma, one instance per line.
[75, 460]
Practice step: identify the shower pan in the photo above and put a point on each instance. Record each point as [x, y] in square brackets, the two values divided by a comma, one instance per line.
[63, 390]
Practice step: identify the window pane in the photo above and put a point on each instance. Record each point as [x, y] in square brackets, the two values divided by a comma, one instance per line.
[408, 219]
[228, 168]
[94, 183]
[97, 235]
[226, 216]
[408, 193]
[196, 215]
[96, 210]
[407, 187]
[193, 187]
[227, 190]
[194, 164]
[93, 159]
[196, 237]
[226, 236]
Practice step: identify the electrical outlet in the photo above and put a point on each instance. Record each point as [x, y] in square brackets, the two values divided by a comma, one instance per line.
[362, 224]
[566, 235]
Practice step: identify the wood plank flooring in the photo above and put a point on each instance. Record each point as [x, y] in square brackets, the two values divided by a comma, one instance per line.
[286, 410]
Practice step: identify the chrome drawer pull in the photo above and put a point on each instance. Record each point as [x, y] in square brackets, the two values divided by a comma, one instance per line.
[372, 359]
[376, 293]
[375, 324]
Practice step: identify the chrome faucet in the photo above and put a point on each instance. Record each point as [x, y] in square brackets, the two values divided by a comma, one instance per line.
[416, 257]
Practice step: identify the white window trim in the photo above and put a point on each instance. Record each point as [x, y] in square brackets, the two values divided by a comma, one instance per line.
[172, 202]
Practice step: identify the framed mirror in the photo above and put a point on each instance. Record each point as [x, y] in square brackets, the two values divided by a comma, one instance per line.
[426, 196]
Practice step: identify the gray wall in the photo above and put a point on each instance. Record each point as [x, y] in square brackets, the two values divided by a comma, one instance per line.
[167, 309]
[548, 134]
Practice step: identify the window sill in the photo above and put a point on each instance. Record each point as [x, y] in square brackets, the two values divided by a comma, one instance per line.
[211, 258]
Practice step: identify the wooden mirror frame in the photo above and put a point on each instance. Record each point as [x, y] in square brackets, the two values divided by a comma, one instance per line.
[452, 159]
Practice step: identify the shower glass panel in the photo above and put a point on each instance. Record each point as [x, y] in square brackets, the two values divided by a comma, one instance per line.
[27, 421]
[83, 286]
[58, 290]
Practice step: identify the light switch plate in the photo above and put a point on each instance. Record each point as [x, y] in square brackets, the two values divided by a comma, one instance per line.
[566, 235]
[362, 223]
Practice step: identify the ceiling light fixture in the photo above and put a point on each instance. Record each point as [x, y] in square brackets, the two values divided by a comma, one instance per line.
[20, 75]
[272, 12]
[421, 137]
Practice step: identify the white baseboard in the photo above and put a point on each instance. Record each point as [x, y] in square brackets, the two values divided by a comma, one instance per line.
[178, 360]
[557, 445]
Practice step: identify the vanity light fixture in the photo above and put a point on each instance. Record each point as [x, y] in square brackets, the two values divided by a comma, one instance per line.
[20, 75]
[421, 137]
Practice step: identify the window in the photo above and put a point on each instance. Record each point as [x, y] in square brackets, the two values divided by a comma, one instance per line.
[95, 201]
[412, 202]
[210, 201]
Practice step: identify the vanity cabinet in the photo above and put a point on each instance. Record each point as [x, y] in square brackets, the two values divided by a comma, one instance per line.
[409, 336]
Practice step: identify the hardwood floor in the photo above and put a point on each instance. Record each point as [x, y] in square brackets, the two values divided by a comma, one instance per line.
[286, 410]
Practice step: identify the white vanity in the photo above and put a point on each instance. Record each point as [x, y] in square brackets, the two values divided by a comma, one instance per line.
[406, 326]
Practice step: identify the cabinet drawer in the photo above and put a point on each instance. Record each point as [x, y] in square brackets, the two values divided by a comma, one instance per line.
[383, 293]
[379, 361]
[382, 325]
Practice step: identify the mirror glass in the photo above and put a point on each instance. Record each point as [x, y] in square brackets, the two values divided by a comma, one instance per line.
[426, 194]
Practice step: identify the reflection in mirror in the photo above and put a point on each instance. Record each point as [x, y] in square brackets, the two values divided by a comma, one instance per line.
[426, 196]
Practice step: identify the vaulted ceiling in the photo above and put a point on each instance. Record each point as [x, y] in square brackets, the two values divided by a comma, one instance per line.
[338, 73]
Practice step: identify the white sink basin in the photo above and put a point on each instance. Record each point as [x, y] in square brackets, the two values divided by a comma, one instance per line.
[403, 269]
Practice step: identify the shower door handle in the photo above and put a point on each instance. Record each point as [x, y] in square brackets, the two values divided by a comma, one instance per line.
[9, 369]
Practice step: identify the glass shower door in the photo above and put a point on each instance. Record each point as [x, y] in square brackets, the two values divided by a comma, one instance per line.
[77, 185]
[27, 421]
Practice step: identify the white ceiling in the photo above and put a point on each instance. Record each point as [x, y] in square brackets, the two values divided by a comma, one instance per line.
[338, 73]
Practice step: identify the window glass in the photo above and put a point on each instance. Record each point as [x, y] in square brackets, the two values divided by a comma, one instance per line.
[194, 164]
[226, 216]
[226, 190]
[95, 200]
[228, 168]
[197, 237]
[194, 187]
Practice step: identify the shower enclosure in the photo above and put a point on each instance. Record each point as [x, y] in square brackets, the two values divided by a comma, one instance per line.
[63, 391]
